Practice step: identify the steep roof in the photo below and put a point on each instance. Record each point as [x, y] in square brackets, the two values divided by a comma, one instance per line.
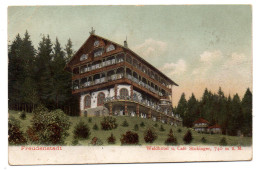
[127, 49]
[201, 120]
[214, 126]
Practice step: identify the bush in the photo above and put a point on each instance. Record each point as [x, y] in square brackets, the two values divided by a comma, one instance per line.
[95, 127]
[75, 142]
[81, 131]
[142, 124]
[111, 139]
[162, 128]
[203, 140]
[48, 128]
[129, 138]
[171, 140]
[150, 136]
[96, 141]
[108, 123]
[90, 120]
[223, 142]
[23, 115]
[179, 130]
[125, 123]
[136, 128]
[155, 125]
[15, 135]
[187, 137]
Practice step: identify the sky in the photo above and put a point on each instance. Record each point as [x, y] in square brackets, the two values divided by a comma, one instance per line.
[197, 46]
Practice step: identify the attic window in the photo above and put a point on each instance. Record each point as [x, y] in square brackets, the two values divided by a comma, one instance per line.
[111, 47]
[96, 43]
[83, 57]
[98, 52]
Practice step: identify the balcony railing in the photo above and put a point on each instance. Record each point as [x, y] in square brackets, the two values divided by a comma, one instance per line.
[119, 76]
[146, 103]
[100, 65]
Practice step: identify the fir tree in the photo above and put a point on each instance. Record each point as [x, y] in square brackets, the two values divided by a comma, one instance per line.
[69, 50]
[247, 112]
[61, 78]
[15, 70]
[44, 72]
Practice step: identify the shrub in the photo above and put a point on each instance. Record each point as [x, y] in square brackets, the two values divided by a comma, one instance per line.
[125, 124]
[96, 141]
[15, 135]
[48, 128]
[136, 128]
[187, 137]
[81, 131]
[111, 139]
[203, 140]
[155, 125]
[90, 120]
[142, 124]
[75, 142]
[23, 115]
[95, 127]
[108, 123]
[150, 136]
[129, 138]
[162, 128]
[223, 142]
[171, 140]
[179, 130]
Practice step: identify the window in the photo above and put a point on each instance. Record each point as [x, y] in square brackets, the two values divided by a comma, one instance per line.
[83, 57]
[87, 101]
[98, 52]
[100, 98]
[96, 43]
[123, 92]
[111, 47]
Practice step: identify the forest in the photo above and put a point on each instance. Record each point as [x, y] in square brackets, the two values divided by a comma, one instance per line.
[231, 113]
[37, 76]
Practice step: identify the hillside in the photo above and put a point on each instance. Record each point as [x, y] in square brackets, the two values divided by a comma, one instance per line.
[132, 121]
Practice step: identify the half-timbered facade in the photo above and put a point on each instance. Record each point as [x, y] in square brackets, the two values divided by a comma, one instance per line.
[111, 79]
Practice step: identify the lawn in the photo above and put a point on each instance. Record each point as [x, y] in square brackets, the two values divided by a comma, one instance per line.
[162, 135]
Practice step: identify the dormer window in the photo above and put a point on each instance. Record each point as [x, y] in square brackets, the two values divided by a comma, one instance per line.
[111, 47]
[96, 43]
[83, 57]
[98, 52]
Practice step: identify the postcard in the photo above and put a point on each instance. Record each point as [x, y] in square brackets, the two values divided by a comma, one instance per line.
[129, 84]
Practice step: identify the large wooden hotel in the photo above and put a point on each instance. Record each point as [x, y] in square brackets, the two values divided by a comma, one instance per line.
[111, 79]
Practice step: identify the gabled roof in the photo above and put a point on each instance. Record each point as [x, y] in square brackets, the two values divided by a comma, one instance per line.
[127, 49]
[214, 126]
[201, 120]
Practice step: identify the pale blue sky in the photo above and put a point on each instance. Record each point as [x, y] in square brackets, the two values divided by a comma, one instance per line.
[197, 46]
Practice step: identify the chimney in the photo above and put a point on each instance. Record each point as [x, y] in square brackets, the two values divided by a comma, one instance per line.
[125, 43]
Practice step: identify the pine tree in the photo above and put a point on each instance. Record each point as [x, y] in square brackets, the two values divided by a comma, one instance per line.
[182, 106]
[236, 119]
[247, 112]
[192, 111]
[28, 87]
[61, 78]
[44, 73]
[69, 50]
[15, 70]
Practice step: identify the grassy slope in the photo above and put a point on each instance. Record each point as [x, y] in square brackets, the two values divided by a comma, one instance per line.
[103, 135]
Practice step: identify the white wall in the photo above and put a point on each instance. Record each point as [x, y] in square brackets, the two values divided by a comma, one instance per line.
[82, 101]
[94, 97]
[119, 87]
[108, 93]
